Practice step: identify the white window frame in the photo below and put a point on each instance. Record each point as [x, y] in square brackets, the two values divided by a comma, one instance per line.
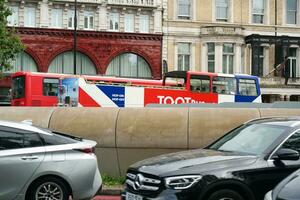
[185, 57]
[184, 17]
[30, 15]
[56, 18]
[265, 2]
[227, 19]
[129, 22]
[71, 15]
[294, 58]
[114, 18]
[144, 24]
[296, 11]
[211, 54]
[228, 54]
[13, 19]
[89, 16]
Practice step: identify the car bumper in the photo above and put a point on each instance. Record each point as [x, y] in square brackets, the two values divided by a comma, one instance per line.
[166, 194]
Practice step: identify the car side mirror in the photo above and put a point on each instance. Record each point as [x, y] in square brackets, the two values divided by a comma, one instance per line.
[287, 154]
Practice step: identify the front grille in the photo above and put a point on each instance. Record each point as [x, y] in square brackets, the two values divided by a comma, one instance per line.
[143, 184]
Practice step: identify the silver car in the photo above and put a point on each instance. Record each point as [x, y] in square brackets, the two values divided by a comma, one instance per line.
[38, 164]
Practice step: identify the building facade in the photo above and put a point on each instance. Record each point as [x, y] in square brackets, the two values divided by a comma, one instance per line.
[114, 37]
[236, 36]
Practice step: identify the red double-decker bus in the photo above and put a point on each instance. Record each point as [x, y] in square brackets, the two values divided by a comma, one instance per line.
[47, 89]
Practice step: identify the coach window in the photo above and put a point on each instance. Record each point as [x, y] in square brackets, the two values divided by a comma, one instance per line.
[199, 83]
[50, 86]
[247, 87]
[224, 85]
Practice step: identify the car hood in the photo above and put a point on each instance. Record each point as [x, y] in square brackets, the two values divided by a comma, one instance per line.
[288, 188]
[192, 162]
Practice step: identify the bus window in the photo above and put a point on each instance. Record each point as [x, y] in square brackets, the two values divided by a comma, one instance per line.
[200, 83]
[18, 87]
[224, 85]
[247, 87]
[50, 86]
[175, 82]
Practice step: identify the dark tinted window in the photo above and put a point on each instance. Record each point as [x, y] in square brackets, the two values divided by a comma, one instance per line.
[32, 140]
[18, 87]
[293, 142]
[50, 86]
[15, 140]
[9, 140]
[57, 139]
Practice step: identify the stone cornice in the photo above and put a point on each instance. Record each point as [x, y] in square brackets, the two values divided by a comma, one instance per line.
[88, 34]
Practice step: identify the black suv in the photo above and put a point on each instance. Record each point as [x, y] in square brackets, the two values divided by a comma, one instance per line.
[244, 164]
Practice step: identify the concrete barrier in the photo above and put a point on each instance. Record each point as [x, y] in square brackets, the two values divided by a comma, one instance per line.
[127, 135]
[40, 116]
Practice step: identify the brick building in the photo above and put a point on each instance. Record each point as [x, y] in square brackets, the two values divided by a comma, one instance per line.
[114, 37]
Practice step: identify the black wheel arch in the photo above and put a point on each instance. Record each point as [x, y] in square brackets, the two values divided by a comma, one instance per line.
[45, 177]
[234, 185]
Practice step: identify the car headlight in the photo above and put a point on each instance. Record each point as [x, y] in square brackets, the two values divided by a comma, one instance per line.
[268, 196]
[181, 182]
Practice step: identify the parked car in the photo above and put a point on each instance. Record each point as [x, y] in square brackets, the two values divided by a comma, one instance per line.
[244, 164]
[288, 189]
[37, 163]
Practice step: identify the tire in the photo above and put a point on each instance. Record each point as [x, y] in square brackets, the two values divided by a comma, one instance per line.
[225, 194]
[46, 188]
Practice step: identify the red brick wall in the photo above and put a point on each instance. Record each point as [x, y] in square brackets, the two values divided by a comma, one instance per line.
[101, 47]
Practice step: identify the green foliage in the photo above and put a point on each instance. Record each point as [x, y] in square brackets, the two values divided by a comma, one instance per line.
[112, 181]
[10, 44]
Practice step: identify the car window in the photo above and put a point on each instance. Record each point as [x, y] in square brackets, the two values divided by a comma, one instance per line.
[16, 140]
[251, 138]
[293, 142]
[32, 140]
[57, 139]
[9, 140]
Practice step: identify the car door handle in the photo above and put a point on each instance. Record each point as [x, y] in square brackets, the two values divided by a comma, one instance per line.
[29, 158]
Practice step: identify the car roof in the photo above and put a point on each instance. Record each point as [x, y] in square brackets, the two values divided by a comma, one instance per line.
[23, 126]
[281, 121]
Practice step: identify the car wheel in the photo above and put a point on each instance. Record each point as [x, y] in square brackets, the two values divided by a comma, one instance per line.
[225, 195]
[48, 189]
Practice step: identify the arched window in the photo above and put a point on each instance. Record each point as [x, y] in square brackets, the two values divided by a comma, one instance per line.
[64, 64]
[129, 65]
[23, 62]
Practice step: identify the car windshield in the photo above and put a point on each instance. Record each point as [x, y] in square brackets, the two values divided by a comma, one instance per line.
[250, 139]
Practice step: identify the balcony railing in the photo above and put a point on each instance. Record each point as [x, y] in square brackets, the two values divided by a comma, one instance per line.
[138, 3]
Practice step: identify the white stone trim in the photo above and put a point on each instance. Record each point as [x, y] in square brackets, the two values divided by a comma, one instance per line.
[204, 58]
[218, 57]
[237, 58]
[193, 56]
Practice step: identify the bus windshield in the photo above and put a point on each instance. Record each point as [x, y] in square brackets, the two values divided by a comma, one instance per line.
[18, 87]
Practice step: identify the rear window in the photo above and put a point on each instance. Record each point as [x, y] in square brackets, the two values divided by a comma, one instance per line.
[59, 138]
